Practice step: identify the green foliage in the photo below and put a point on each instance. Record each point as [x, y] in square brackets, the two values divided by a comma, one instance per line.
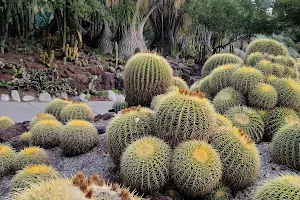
[145, 164]
[33, 174]
[268, 46]
[30, 156]
[40, 117]
[179, 82]
[131, 124]
[227, 98]
[46, 133]
[204, 86]
[5, 122]
[221, 192]
[77, 110]
[118, 106]
[239, 156]
[285, 186]
[146, 75]
[218, 60]
[285, 144]
[196, 168]
[78, 137]
[263, 96]
[55, 107]
[102, 94]
[7, 156]
[185, 115]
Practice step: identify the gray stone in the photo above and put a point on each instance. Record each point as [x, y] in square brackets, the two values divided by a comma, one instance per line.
[120, 97]
[4, 97]
[45, 97]
[64, 95]
[15, 95]
[28, 98]
[111, 95]
[76, 98]
[83, 97]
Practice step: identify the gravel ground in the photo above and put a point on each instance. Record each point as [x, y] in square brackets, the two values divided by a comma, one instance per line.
[98, 161]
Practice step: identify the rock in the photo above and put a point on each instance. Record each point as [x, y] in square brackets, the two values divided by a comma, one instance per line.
[101, 129]
[83, 97]
[111, 95]
[15, 95]
[119, 82]
[121, 67]
[13, 131]
[108, 116]
[108, 80]
[112, 69]
[120, 97]
[19, 144]
[29, 60]
[158, 196]
[45, 97]
[28, 98]
[77, 98]
[4, 97]
[97, 118]
[2, 64]
[64, 95]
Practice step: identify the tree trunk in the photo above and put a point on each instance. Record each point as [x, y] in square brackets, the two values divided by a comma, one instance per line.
[105, 40]
[7, 18]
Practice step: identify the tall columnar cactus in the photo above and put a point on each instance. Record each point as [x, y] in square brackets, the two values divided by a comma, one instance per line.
[131, 124]
[40, 117]
[46, 133]
[221, 192]
[239, 156]
[221, 77]
[56, 106]
[30, 156]
[248, 120]
[204, 86]
[77, 110]
[196, 168]
[78, 137]
[179, 82]
[282, 187]
[268, 46]
[120, 105]
[5, 122]
[255, 58]
[146, 75]
[185, 115]
[286, 145]
[33, 174]
[7, 158]
[288, 93]
[218, 60]
[246, 78]
[228, 98]
[277, 118]
[145, 164]
[263, 96]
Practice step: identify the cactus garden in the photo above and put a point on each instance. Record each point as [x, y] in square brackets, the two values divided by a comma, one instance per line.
[149, 100]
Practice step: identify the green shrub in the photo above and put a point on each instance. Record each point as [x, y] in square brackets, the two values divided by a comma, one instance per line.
[5, 122]
[55, 107]
[77, 110]
[7, 156]
[40, 117]
[179, 82]
[118, 106]
[267, 46]
[263, 96]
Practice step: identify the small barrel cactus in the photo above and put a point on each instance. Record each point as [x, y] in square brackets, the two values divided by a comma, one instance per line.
[221, 192]
[30, 156]
[146, 75]
[132, 124]
[267, 46]
[27, 136]
[223, 121]
[40, 117]
[77, 110]
[196, 168]
[56, 106]
[120, 105]
[5, 122]
[7, 158]
[263, 96]
[218, 60]
[204, 86]
[33, 174]
[179, 82]
[286, 61]
[228, 98]
[246, 78]
[255, 58]
[46, 133]
[239, 156]
[282, 187]
[286, 145]
[78, 137]
[265, 66]
[278, 70]
[145, 164]
[157, 100]
[248, 120]
[185, 115]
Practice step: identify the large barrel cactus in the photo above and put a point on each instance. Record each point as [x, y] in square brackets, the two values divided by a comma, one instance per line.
[40, 117]
[146, 75]
[77, 110]
[5, 122]
[179, 82]
[255, 58]
[204, 86]
[56, 106]
[7, 158]
[263, 96]
[268, 46]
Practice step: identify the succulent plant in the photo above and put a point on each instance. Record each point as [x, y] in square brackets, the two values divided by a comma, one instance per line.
[33, 174]
[223, 121]
[27, 136]
[239, 156]
[46, 133]
[218, 60]
[196, 168]
[30, 156]
[221, 192]
[179, 82]
[265, 66]
[291, 73]
[78, 137]
[246, 78]
[131, 124]
[204, 86]
[77, 110]
[255, 58]
[120, 105]
[7, 156]
[268, 46]
[185, 115]
[228, 98]
[286, 61]
[39, 117]
[156, 101]
[145, 164]
[146, 75]
[263, 96]
[5, 122]
[282, 187]
[278, 70]
[56, 106]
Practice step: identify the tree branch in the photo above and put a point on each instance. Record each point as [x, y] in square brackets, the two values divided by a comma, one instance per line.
[151, 9]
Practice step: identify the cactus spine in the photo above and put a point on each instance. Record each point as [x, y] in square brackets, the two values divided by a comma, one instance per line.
[56, 106]
[5, 122]
[77, 110]
[7, 156]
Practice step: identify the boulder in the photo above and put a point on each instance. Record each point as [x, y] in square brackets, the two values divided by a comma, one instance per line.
[13, 131]
[112, 95]
[28, 98]
[4, 97]
[45, 97]
[15, 95]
